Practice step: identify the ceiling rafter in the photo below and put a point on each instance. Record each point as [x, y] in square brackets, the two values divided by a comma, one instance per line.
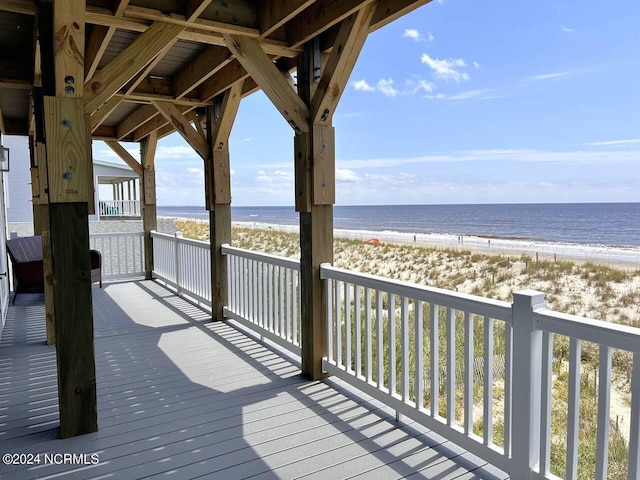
[125, 156]
[114, 76]
[100, 16]
[273, 15]
[99, 40]
[174, 116]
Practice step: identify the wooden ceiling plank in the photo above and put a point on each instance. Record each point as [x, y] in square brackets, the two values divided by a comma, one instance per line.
[137, 118]
[318, 18]
[262, 69]
[200, 24]
[225, 116]
[335, 75]
[174, 116]
[69, 48]
[125, 156]
[194, 8]
[100, 115]
[212, 60]
[273, 15]
[125, 66]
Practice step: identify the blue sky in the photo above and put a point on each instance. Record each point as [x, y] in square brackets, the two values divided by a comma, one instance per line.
[461, 101]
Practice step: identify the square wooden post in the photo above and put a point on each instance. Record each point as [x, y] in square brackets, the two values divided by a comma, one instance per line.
[148, 198]
[65, 162]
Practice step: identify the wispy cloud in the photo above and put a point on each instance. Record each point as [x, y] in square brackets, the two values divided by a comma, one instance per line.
[387, 87]
[417, 86]
[566, 29]
[480, 94]
[415, 35]
[446, 69]
[614, 142]
[500, 155]
[547, 76]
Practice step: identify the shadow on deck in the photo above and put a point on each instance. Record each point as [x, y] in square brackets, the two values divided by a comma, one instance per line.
[182, 397]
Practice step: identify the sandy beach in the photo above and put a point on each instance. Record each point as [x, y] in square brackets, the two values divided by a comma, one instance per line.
[627, 258]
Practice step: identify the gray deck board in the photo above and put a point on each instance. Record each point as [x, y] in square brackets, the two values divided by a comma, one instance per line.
[182, 397]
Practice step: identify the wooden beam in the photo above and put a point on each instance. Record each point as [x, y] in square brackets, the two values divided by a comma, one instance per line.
[273, 15]
[262, 69]
[104, 111]
[156, 123]
[194, 8]
[212, 60]
[136, 119]
[174, 116]
[2, 127]
[390, 10]
[224, 115]
[125, 66]
[335, 75]
[198, 23]
[142, 75]
[318, 18]
[25, 7]
[195, 33]
[125, 156]
[222, 80]
[69, 47]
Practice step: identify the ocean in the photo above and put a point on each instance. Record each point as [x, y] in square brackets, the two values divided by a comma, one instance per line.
[610, 224]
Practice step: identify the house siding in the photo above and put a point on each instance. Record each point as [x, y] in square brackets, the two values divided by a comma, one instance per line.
[18, 180]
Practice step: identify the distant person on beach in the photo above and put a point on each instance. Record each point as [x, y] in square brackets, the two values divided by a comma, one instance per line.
[414, 239]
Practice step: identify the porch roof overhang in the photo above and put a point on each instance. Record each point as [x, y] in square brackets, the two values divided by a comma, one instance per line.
[181, 50]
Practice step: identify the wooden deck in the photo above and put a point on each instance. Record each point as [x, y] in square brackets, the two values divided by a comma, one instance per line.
[181, 397]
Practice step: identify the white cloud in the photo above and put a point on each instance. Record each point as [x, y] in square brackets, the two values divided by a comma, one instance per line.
[476, 65]
[344, 175]
[480, 94]
[448, 69]
[614, 142]
[385, 85]
[177, 151]
[566, 29]
[547, 76]
[415, 35]
[362, 86]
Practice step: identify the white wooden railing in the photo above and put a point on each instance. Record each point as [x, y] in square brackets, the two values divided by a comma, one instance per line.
[119, 208]
[378, 331]
[122, 254]
[184, 264]
[264, 295]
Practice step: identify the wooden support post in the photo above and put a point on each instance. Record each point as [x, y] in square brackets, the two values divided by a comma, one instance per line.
[314, 159]
[148, 198]
[220, 118]
[66, 167]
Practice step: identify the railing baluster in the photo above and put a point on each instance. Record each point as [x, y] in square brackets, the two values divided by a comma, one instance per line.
[287, 283]
[338, 325]
[404, 326]
[391, 298]
[573, 408]
[358, 329]
[347, 326]
[508, 394]
[468, 373]
[296, 307]
[419, 353]
[379, 340]
[331, 318]
[634, 432]
[434, 360]
[487, 411]
[451, 366]
[604, 399]
[282, 297]
[545, 405]
[367, 326]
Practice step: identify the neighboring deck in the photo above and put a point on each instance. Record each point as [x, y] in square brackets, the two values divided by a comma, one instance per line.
[182, 397]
